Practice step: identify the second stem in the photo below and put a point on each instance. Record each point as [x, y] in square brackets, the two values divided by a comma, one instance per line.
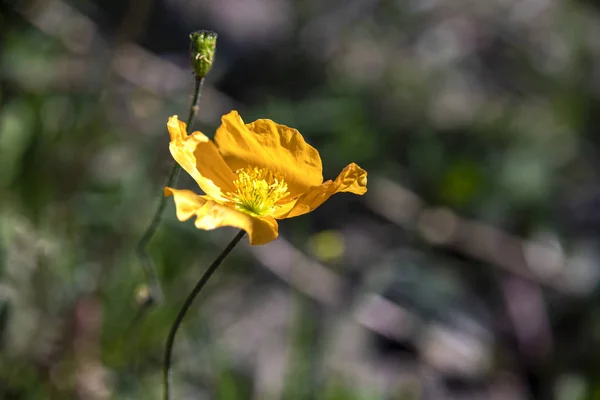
[155, 293]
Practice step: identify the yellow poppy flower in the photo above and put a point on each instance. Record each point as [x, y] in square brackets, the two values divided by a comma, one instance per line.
[252, 175]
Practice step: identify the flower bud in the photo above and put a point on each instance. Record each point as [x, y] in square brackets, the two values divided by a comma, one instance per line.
[202, 51]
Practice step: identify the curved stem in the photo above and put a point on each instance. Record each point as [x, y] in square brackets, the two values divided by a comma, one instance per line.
[154, 290]
[186, 305]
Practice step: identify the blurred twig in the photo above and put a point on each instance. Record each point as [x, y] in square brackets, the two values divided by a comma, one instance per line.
[528, 314]
[307, 276]
[442, 227]
[130, 62]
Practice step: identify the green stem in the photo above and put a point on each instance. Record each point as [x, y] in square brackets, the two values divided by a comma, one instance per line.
[186, 305]
[154, 290]
[198, 85]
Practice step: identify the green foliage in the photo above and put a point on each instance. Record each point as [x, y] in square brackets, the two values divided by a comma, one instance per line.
[489, 110]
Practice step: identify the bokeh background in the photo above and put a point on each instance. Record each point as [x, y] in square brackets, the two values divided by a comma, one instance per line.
[469, 270]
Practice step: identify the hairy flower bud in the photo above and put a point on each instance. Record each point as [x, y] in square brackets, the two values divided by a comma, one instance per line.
[202, 51]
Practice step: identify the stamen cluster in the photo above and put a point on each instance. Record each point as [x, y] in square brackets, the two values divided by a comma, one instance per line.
[258, 191]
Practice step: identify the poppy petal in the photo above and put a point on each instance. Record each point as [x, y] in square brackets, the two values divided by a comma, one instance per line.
[265, 144]
[211, 215]
[352, 179]
[199, 157]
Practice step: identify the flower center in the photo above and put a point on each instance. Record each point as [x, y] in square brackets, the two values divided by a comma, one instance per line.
[258, 191]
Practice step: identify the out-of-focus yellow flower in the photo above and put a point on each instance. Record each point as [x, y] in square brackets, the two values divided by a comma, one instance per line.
[252, 175]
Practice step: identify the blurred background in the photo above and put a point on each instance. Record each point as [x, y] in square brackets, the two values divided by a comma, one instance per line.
[469, 270]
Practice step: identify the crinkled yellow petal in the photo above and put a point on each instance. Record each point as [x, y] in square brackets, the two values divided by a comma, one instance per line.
[199, 157]
[352, 179]
[284, 207]
[211, 215]
[265, 144]
[177, 129]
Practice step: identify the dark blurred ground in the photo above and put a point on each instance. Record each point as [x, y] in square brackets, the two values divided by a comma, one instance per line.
[468, 271]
